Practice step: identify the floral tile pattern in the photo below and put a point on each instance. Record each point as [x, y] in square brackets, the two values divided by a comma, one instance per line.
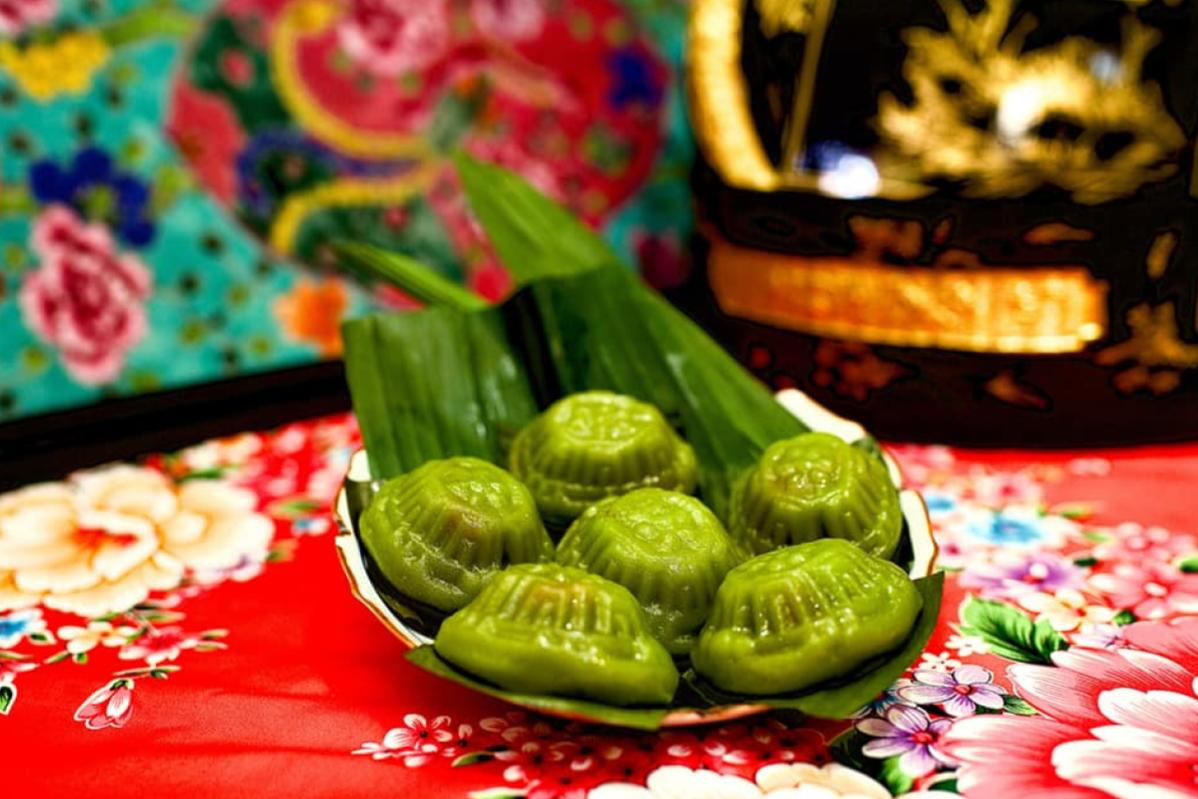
[1065, 663]
[172, 172]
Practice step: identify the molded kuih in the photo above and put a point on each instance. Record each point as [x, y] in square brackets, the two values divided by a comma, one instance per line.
[551, 629]
[442, 530]
[596, 444]
[667, 548]
[803, 615]
[840, 699]
[814, 486]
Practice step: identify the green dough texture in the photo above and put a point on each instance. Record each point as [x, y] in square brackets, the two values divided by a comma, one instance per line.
[550, 629]
[667, 548]
[596, 444]
[440, 531]
[802, 615]
[815, 486]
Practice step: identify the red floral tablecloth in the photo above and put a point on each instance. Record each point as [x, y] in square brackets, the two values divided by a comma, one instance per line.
[182, 627]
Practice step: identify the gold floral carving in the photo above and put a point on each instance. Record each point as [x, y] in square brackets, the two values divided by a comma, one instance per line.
[1009, 389]
[1005, 121]
[783, 16]
[853, 369]
[992, 309]
[1050, 233]
[1155, 351]
[1159, 253]
[720, 97]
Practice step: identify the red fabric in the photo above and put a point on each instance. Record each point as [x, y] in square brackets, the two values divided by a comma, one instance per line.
[309, 674]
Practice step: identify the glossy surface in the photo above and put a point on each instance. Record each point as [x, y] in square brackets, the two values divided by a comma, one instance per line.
[814, 486]
[802, 615]
[596, 444]
[667, 548]
[550, 629]
[440, 531]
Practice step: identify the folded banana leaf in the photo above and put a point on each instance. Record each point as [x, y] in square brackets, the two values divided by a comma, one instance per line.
[443, 382]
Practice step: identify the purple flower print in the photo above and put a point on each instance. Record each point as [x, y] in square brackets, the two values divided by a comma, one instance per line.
[912, 735]
[1011, 574]
[959, 693]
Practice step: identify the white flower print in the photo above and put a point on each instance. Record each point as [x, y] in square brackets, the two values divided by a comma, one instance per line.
[941, 662]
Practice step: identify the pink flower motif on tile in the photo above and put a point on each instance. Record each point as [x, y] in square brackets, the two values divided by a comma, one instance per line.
[19, 15]
[508, 20]
[86, 299]
[391, 37]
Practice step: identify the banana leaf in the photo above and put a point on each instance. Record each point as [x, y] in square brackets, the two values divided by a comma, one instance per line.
[533, 236]
[443, 382]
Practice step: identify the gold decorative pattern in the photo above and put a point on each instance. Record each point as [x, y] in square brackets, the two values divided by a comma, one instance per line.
[1056, 232]
[720, 97]
[1155, 351]
[853, 369]
[1159, 254]
[784, 16]
[1004, 121]
[1006, 387]
[994, 309]
[345, 193]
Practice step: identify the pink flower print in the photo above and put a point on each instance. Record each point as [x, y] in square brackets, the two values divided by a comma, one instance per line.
[508, 20]
[160, 645]
[1134, 543]
[1009, 574]
[110, 706]
[86, 299]
[1099, 636]
[1150, 591]
[1121, 723]
[391, 37]
[17, 15]
[1066, 610]
[999, 489]
[959, 693]
[923, 465]
[11, 666]
[909, 733]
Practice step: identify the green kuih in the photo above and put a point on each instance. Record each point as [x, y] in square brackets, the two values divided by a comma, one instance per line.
[667, 548]
[550, 629]
[803, 615]
[440, 531]
[593, 445]
[816, 486]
